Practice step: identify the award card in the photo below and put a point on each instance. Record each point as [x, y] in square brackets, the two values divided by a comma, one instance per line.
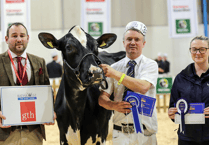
[194, 116]
[144, 103]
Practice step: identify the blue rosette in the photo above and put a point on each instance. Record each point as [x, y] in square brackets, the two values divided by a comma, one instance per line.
[135, 101]
[182, 107]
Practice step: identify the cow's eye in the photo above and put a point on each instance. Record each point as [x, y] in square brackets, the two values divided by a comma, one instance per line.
[98, 62]
[71, 49]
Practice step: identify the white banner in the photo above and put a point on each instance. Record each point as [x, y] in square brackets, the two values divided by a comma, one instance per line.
[182, 17]
[14, 11]
[95, 16]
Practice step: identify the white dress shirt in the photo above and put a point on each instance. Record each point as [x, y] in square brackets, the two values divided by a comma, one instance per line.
[28, 69]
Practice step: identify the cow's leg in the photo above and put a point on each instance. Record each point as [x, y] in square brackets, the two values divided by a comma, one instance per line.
[63, 140]
[73, 137]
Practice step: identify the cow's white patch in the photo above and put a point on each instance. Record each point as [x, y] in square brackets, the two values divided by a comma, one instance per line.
[73, 137]
[90, 141]
[101, 50]
[80, 35]
[98, 70]
[110, 131]
[95, 68]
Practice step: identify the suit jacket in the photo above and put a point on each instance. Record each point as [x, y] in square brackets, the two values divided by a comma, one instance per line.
[6, 79]
[54, 69]
[167, 66]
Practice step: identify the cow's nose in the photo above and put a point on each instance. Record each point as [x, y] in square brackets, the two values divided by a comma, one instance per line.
[95, 69]
[95, 72]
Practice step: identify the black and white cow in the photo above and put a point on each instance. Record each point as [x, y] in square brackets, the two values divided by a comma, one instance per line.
[81, 120]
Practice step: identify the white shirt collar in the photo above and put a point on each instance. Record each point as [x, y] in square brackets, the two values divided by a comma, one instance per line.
[137, 60]
[14, 55]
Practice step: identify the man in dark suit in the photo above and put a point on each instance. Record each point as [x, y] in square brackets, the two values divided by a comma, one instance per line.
[166, 63]
[35, 74]
[54, 69]
[161, 67]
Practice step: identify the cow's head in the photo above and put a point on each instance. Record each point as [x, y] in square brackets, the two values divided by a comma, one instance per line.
[79, 51]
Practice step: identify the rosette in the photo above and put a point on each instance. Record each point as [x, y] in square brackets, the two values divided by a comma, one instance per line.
[182, 107]
[135, 101]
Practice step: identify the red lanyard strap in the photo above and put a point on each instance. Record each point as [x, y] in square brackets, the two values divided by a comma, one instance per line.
[24, 70]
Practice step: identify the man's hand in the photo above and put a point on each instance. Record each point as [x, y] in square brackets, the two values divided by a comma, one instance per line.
[3, 117]
[171, 112]
[108, 70]
[122, 107]
[55, 116]
[160, 70]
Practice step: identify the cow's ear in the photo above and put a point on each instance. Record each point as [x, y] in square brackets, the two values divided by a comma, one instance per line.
[48, 40]
[106, 40]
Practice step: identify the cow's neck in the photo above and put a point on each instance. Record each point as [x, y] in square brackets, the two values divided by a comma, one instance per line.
[76, 99]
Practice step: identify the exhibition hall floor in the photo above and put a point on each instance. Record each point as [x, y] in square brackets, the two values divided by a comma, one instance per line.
[167, 132]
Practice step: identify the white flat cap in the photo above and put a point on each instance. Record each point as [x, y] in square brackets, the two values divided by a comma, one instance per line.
[138, 26]
[54, 53]
[159, 54]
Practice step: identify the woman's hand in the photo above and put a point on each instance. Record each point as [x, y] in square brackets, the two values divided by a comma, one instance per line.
[171, 112]
[206, 112]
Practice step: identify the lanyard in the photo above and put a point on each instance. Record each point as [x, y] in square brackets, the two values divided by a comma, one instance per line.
[24, 69]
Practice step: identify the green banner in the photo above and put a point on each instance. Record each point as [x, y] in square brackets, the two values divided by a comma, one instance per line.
[164, 85]
[183, 26]
[95, 28]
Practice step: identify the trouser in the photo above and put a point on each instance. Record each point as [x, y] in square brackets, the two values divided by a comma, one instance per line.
[120, 138]
[23, 137]
[184, 142]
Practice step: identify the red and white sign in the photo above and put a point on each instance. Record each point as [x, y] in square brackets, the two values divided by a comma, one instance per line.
[96, 16]
[95, 0]
[182, 18]
[15, 1]
[14, 11]
[28, 111]
[30, 104]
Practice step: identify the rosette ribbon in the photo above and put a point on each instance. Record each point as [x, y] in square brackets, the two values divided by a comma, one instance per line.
[135, 101]
[183, 107]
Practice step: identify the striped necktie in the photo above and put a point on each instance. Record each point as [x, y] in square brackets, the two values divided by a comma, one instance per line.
[130, 73]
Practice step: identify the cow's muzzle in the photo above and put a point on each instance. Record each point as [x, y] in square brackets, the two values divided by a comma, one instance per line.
[98, 77]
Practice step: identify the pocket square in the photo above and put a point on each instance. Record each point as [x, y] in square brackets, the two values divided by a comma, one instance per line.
[40, 71]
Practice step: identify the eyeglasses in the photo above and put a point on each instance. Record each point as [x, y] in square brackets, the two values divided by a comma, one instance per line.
[194, 50]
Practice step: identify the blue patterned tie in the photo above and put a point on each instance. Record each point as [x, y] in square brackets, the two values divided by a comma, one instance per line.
[130, 73]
